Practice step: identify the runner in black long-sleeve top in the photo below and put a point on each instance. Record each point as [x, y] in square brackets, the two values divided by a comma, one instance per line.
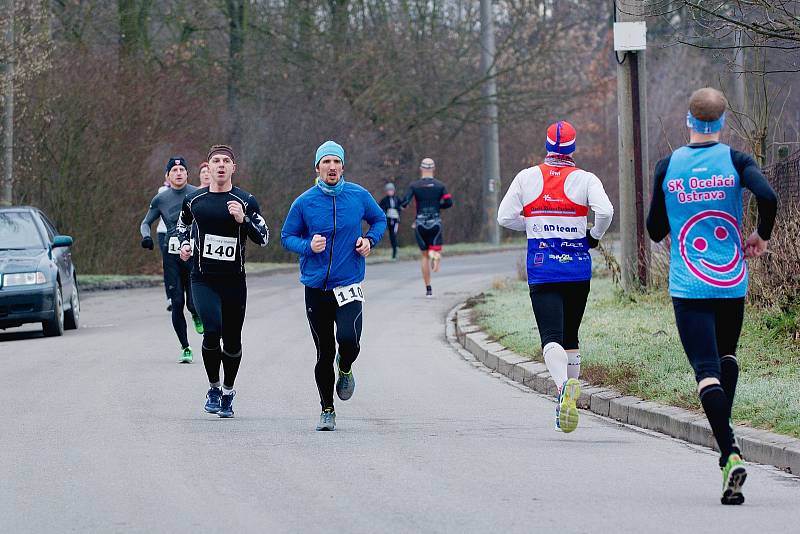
[390, 205]
[213, 228]
[431, 197]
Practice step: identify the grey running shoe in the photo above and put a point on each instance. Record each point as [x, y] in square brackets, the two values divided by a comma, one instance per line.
[327, 420]
[345, 384]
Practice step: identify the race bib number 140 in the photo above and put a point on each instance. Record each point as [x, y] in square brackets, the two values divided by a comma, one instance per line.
[347, 294]
[220, 248]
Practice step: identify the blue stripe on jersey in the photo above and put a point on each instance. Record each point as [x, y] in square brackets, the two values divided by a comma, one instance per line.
[558, 260]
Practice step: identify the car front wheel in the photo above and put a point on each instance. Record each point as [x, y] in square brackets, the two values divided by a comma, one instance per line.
[55, 325]
[73, 315]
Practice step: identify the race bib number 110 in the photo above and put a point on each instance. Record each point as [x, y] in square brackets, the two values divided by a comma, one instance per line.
[220, 248]
[347, 294]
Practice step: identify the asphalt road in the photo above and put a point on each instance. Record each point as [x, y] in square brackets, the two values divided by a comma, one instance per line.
[105, 432]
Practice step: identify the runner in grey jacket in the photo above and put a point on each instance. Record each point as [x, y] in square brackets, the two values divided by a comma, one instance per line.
[167, 205]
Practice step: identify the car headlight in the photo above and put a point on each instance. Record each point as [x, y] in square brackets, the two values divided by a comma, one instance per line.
[24, 279]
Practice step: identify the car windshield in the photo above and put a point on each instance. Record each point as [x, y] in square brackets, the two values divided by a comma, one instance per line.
[18, 231]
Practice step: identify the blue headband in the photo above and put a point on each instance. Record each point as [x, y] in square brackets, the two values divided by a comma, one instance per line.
[705, 127]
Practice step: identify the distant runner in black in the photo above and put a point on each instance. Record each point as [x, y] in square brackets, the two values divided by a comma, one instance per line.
[390, 205]
[166, 206]
[431, 196]
[214, 225]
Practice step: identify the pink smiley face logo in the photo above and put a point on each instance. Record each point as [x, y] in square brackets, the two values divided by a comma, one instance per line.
[696, 246]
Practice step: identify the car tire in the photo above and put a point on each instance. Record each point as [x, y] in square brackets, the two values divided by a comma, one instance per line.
[55, 325]
[72, 317]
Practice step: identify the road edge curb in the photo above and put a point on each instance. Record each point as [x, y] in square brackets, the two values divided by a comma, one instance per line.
[759, 446]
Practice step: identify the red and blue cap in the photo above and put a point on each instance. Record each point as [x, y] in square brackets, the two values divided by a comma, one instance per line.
[560, 138]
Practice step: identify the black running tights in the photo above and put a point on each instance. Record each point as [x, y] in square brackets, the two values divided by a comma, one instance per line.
[323, 313]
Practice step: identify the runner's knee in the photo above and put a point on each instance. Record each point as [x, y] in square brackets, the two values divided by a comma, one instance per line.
[211, 338]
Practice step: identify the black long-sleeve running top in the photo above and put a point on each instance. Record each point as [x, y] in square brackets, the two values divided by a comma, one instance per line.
[218, 241]
[750, 176]
[431, 196]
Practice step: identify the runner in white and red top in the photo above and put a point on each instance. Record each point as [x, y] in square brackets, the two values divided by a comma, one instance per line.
[550, 203]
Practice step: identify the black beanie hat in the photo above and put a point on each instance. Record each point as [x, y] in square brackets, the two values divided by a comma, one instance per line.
[174, 161]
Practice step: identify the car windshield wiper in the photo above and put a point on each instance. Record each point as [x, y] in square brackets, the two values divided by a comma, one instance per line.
[13, 248]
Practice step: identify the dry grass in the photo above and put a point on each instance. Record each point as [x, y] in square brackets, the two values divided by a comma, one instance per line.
[775, 277]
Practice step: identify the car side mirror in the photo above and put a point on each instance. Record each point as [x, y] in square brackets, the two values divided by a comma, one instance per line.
[62, 241]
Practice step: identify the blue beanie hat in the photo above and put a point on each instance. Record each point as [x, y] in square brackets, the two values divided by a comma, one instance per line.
[174, 162]
[329, 148]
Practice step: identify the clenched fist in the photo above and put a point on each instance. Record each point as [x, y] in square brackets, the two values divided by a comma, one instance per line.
[318, 243]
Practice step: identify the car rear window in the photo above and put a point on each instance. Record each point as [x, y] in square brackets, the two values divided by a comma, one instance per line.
[18, 231]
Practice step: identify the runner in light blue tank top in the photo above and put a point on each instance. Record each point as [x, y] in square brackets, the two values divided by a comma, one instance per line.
[703, 196]
[697, 201]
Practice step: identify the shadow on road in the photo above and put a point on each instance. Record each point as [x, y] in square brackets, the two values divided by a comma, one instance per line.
[20, 335]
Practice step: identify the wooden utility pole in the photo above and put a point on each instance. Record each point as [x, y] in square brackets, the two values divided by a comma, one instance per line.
[490, 138]
[6, 195]
[629, 45]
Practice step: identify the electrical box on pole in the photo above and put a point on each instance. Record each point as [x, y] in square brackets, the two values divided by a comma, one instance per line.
[630, 42]
[630, 36]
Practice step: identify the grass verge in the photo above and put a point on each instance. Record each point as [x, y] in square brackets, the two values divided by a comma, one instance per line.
[95, 282]
[411, 252]
[633, 346]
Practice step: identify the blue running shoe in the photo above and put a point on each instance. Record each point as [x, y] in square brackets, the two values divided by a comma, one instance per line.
[213, 400]
[327, 420]
[346, 383]
[226, 405]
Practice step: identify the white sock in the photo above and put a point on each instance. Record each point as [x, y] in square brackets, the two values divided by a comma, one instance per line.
[226, 391]
[555, 357]
[215, 384]
[573, 364]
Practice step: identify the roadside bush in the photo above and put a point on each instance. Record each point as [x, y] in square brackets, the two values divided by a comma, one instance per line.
[775, 277]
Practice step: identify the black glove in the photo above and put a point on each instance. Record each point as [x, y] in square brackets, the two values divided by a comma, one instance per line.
[147, 242]
[592, 241]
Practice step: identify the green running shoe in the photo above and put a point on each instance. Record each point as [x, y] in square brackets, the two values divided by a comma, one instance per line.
[186, 355]
[733, 477]
[327, 420]
[567, 409]
[198, 324]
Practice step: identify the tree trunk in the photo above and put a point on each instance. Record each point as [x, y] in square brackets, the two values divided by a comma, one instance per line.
[7, 198]
[236, 34]
[133, 35]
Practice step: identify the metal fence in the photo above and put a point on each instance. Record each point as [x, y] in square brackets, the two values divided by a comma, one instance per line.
[784, 176]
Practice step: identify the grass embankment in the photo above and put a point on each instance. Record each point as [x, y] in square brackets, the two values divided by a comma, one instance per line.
[634, 347]
[92, 282]
[411, 252]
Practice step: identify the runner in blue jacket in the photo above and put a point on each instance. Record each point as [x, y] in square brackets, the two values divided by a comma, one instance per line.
[324, 227]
